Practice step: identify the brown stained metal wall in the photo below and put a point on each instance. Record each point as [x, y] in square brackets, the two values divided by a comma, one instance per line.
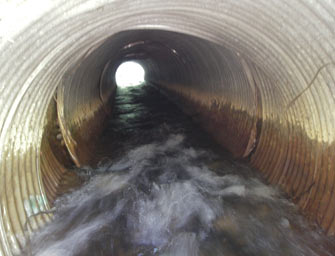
[57, 171]
[261, 69]
[228, 105]
[299, 135]
[56, 178]
[81, 109]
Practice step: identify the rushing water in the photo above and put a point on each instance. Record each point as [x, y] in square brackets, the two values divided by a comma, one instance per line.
[164, 188]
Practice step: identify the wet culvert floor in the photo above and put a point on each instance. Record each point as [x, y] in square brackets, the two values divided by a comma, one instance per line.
[164, 187]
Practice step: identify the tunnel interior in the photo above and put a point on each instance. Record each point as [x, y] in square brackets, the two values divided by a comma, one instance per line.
[257, 76]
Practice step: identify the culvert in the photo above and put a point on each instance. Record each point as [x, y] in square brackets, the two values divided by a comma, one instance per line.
[258, 74]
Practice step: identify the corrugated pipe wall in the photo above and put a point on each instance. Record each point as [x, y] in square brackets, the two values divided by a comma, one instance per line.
[258, 74]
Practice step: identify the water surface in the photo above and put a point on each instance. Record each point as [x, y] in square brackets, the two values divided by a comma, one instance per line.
[163, 187]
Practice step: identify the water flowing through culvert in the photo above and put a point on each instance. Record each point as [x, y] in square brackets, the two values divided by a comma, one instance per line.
[165, 188]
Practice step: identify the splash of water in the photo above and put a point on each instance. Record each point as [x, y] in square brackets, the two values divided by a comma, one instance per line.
[165, 199]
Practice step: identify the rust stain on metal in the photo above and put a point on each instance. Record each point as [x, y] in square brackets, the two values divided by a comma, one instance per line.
[56, 163]
[287, 133]
[286, 153]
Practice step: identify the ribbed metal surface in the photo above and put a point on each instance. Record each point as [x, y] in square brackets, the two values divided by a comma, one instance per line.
[56, 163]
[266, 88]
[80, 107]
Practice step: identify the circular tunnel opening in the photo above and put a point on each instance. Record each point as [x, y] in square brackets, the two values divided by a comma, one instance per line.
[129, 73]
[257, 76]
[180, 66]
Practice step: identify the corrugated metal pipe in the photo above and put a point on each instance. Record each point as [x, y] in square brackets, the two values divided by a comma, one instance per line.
[260, 76]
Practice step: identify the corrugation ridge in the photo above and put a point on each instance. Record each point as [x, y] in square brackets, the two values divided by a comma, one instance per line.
[293, 158]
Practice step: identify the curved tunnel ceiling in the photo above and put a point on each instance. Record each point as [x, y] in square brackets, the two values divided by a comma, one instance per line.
[260, 74]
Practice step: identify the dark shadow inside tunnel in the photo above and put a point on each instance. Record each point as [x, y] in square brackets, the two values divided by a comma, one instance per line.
[215, 85]
[256, 76]
[163, 186]
[223, 91]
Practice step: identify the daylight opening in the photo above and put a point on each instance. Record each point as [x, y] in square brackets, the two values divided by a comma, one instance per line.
[129, 73]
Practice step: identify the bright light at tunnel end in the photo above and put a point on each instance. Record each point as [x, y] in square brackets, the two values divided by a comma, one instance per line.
[129, 73]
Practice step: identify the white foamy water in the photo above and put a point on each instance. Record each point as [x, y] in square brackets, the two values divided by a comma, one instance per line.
[164, 198]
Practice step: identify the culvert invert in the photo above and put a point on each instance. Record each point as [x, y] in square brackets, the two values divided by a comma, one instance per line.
[260, 74]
